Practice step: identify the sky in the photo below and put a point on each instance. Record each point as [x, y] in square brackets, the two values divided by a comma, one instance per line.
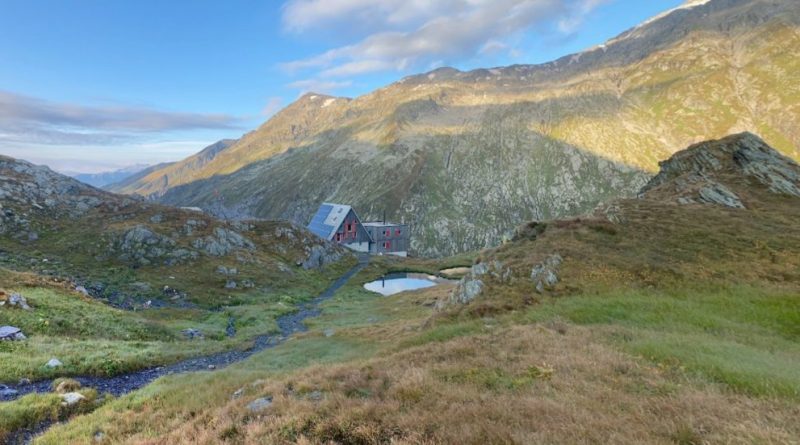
[94, 85]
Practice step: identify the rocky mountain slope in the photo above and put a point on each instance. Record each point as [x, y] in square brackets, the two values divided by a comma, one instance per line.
[466, 156]
[728, 205]
[126, 250]
[678, 311]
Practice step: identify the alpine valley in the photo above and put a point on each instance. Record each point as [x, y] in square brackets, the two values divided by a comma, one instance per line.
[466, 156]
[604, 249]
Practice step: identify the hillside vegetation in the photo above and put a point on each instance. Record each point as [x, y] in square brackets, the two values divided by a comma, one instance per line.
[466, 156]
[671, 318]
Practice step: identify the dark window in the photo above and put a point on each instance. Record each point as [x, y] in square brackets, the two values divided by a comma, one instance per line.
[338, 237]
[397, 232]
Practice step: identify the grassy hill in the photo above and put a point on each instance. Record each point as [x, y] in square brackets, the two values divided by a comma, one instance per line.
[466, 156]
[113, 281]
[672, 318]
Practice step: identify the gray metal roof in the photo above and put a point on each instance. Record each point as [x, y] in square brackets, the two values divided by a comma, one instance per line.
[327, 219]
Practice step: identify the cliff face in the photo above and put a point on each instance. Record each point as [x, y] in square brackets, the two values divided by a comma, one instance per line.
[466, 156]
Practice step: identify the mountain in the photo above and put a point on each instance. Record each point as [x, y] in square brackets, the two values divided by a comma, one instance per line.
[105, 178]
[676, 309]
[466, 156]
[171, 173]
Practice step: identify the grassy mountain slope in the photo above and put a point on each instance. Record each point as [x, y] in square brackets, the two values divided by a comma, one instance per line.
[114, 280]
[466, 156]
[673, 320]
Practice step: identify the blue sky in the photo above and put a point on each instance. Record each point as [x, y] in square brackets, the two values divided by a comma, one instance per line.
[90, 85]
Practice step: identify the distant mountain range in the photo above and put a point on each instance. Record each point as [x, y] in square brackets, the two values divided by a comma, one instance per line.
[103, 179]
[466, 156]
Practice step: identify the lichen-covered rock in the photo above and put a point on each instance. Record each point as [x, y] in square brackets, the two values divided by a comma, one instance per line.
[716, 193]
[474, 282]
[222, 242]
[141, 246]
[707, 173]
[545, 274]
[19, 301]
[319, 256]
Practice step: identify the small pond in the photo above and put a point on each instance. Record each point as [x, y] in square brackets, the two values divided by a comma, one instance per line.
[395, 283]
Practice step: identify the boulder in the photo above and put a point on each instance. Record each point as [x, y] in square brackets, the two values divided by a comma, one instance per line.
[11, 333]
[192, 334]
[545, 274]
[17, 300]
[319, 256]
[260, 404]
[54, 363]
[82, 290]
[72, 398]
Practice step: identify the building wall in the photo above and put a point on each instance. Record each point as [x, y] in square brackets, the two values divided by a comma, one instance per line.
[351, 231]
[389, 238]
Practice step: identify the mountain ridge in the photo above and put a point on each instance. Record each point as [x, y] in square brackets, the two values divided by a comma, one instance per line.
[451, 152]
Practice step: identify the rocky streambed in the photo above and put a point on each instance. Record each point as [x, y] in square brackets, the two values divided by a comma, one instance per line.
[125, 383]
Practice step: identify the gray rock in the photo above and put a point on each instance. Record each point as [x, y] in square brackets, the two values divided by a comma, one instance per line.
[230, 284]
[24, 381]
[54, 363]
[82, 290]
[11, 333]
[238, 393]
[260, 404]
[192, 334]
[315, 395]
[223, 242]
[157, 218]
[72, 398]
[17, 300]
[545, 274]
[227, 270]
[320, 256]
[328, 332]
[716, 193]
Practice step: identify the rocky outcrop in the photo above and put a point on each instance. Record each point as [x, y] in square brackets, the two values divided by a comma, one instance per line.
[14, 300]
[40, 189]
[475, 281]
[545, 274]
[710, 172]
[319, 256]
[222, 242]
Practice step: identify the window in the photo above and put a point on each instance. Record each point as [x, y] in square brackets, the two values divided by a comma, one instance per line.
[338, 237]
[387, 245]
[349, 227]
[397, 232]
[387, 232]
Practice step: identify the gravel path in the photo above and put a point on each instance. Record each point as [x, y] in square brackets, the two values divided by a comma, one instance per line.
[125, 383]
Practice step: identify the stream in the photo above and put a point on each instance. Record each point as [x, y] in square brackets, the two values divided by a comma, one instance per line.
[125, 383]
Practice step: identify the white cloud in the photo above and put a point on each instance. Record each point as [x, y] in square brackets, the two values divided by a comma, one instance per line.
[397, 34]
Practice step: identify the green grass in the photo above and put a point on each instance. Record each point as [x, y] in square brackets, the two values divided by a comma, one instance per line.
[742, 337]
[32, 409]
